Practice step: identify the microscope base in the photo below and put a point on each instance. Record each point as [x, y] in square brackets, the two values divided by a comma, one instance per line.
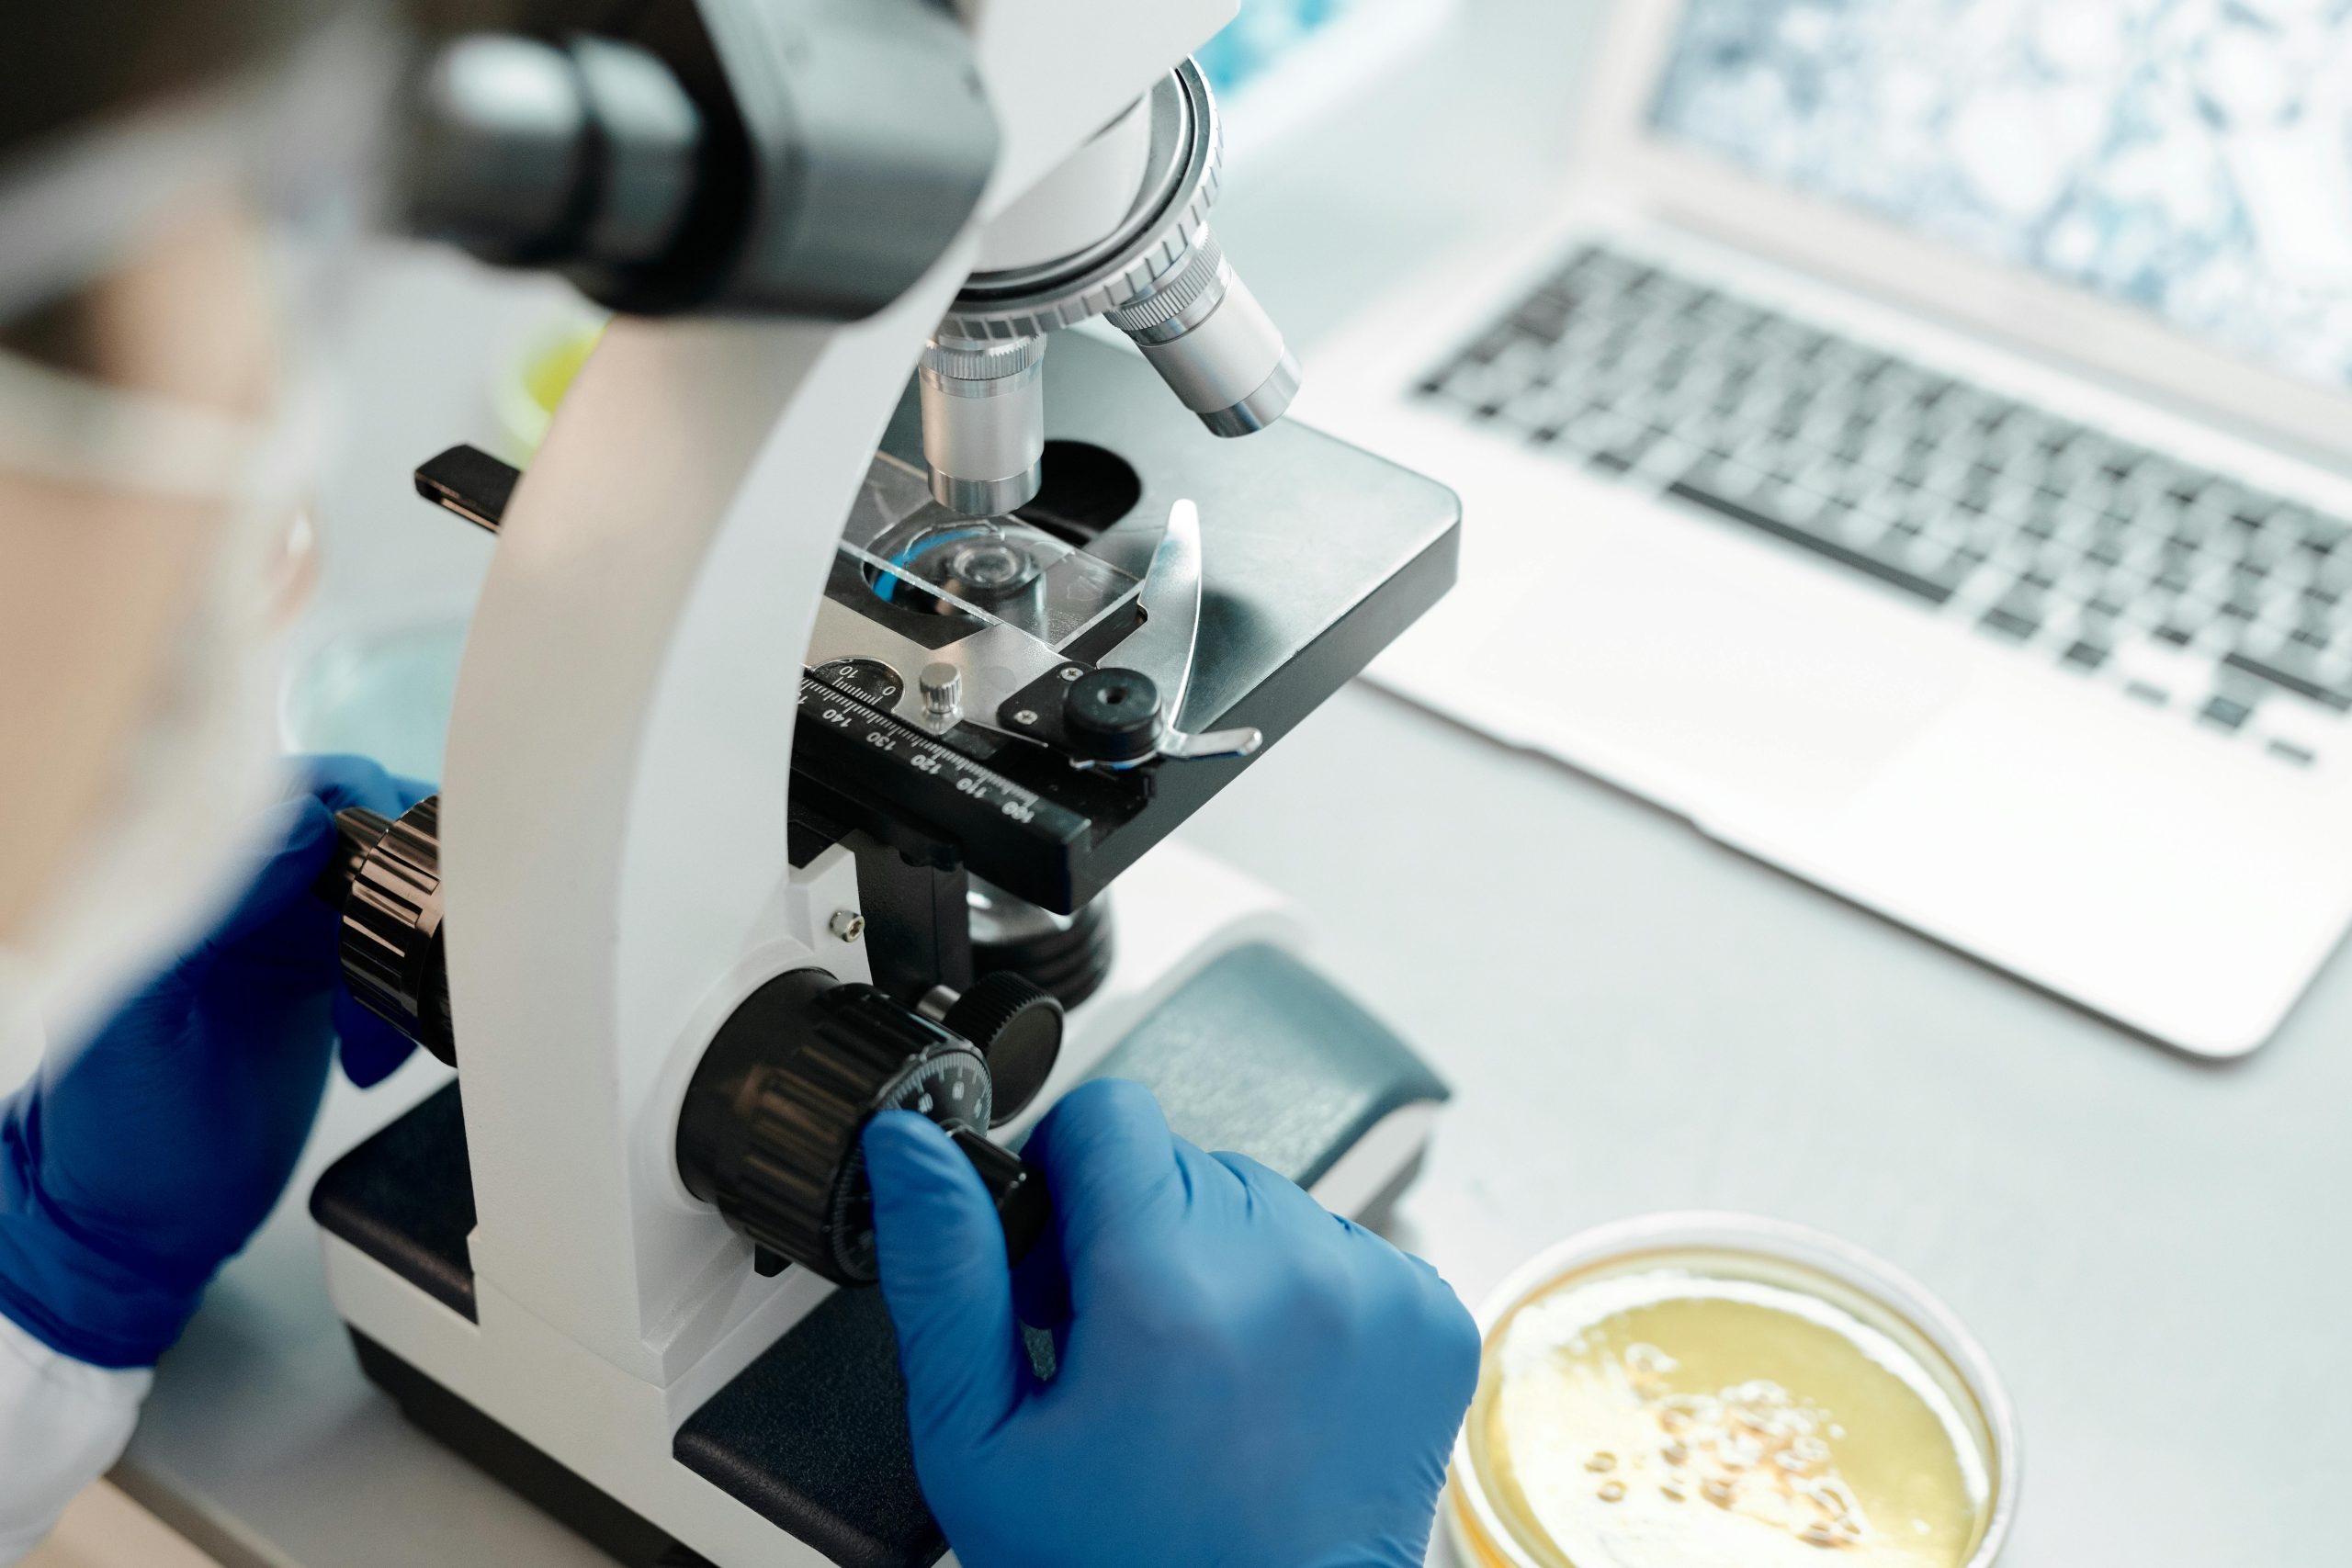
[1256, 1053]
[612, 1529]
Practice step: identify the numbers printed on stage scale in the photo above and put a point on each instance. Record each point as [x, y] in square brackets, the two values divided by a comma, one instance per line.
[849, 711]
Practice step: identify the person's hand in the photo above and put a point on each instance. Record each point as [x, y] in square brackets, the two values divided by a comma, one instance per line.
[132, 1170]
[1243, 1378]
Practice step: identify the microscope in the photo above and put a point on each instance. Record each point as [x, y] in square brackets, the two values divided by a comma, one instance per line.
[870, 610]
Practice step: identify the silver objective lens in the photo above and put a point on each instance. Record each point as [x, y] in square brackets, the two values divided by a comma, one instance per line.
[1214, 343]
[984, 424]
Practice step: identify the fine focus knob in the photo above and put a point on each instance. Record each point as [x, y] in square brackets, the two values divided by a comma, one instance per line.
[386, 880]
[1018, 1187]
[1018, 1027]
[769, 1133]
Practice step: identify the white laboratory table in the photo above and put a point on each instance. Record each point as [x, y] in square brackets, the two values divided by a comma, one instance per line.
[1632, 1017]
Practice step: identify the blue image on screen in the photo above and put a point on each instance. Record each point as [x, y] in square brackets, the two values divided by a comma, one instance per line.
[2192, 158]
[1265, 32]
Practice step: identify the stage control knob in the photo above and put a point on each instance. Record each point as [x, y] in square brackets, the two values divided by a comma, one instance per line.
[769, 1133]
[1112, 715]
[1018, 1027]
[386, 882]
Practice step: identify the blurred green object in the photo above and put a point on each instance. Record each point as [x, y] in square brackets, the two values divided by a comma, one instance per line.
[528, 384]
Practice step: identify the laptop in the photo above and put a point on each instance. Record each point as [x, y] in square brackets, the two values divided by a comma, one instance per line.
[1914, 443]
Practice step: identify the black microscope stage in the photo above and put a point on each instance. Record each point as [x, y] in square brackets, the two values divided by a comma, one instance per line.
[1316, 556]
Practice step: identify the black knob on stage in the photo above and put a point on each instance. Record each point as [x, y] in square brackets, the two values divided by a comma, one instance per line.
[1018, 1027]
[770, 1130]
[1113, 714]
[386, 880]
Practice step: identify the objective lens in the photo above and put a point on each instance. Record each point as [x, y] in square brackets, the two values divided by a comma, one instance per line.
[1214, 345]
[984, 424]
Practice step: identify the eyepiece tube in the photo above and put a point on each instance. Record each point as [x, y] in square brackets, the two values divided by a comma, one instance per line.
[532, 153]
[1214, 345]
[499, 146]
[984, 424]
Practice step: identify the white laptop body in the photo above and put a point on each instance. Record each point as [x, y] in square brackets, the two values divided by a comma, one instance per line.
[2184, 881]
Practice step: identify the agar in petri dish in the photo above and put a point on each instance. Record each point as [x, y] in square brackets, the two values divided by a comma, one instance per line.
[1691, 1408]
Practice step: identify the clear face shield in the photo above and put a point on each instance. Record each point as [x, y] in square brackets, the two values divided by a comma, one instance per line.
[160, 278]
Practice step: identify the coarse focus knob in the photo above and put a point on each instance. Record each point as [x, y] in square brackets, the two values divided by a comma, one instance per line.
[769, 1133]
[386, 881]
[1018, 1027]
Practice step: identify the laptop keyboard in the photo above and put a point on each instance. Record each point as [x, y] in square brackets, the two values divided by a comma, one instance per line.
[2182, 588]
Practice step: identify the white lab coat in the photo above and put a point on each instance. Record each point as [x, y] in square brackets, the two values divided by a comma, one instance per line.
[62, 1424]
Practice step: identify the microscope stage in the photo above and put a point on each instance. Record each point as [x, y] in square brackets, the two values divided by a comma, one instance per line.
[1316, 557]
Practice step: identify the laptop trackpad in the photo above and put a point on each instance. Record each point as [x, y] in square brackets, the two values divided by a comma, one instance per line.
[1721, 683]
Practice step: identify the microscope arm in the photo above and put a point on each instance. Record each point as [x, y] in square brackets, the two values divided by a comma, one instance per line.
[617, 821]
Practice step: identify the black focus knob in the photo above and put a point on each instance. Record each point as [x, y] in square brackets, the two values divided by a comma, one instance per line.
[386, 881]
[1018, 1027]
[1022, 1205]
[1113, 714]
[769, 1135]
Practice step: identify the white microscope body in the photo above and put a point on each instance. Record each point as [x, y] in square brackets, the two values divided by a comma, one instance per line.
[615, 833]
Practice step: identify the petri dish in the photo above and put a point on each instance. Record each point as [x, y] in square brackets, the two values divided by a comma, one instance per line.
[1688, 1390]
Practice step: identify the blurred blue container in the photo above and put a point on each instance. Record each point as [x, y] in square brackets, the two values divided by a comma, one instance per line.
[1266, 31]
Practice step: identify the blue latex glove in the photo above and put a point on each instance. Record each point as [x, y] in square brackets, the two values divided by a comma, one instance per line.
[131, 1171]
[1243, 1379]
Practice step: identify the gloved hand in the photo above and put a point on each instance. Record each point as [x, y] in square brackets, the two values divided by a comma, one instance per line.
[129, 1172]
[1243, 1378]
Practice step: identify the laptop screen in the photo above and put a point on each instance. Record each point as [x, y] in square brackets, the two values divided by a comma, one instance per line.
[2192, 158]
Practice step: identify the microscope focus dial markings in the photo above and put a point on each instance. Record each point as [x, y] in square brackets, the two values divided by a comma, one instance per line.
[951, 1087]
[870, 680]
[770, 1132]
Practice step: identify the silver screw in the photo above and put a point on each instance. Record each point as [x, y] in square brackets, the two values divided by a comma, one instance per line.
[1026, 716]
[943, 690]
[847, 925]
[1071, 672]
